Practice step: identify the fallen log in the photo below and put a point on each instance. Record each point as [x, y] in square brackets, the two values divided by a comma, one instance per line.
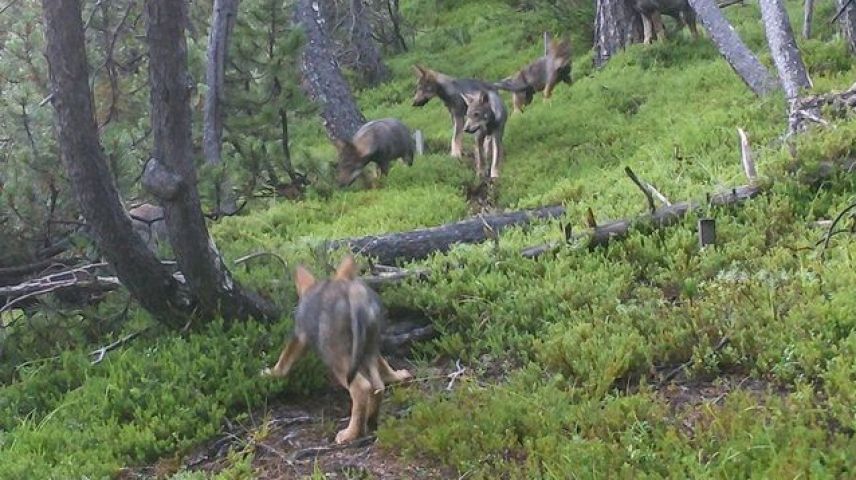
[78, 278]
[662, 217]
[601, 234]
[418, 244]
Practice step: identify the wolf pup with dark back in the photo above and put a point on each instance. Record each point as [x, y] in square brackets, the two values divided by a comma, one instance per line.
[432, 84]
[342, 318]
[380, 141]
[542, 74]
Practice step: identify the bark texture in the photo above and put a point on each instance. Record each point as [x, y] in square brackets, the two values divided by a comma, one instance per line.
[847, 23]
[322, 78]
[616, 26]
[741, 59]
[84, 160]
[786, 55]
[808, 15]
[418, 244]
[368, 60]
[222, 24]
[198, 258]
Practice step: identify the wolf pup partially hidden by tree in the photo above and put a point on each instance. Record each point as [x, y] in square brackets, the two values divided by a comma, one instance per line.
[652, 21]
[486, 116]
[342, 319]
[432, 84]
[541, 75]
[380, 141]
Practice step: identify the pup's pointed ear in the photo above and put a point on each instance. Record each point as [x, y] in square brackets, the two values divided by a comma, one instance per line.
[420, 70]
[483, 97]
[303, 280]
[340, 144]
[347, 269]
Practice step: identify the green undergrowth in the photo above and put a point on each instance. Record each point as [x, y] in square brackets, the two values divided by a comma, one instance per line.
[560, 352]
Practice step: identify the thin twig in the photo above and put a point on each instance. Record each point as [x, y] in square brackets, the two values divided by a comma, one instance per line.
[100, 353]
[251, 256]
[455, 375]
[832, 227]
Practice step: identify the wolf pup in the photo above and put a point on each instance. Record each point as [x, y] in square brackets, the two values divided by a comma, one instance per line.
[541, 75]
[652, 21]
[379, 141]
[432, 84]
[342, 319]
[486, 116]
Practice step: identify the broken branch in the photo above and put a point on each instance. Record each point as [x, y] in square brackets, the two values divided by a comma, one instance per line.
[645, 191]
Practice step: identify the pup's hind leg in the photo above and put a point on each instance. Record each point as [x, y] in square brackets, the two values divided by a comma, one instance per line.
[361, 392]
[373, 410]
[290, 354]
[388, 375]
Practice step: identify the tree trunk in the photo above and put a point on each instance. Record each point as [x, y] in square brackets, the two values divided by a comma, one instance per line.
[322, 79]
[171, 174]
[808, 14]
[368, 60]
[786, 55]
[847, 23]
[616, 25]
[418, 244]
[222, 24]
[137, 268]
[741, 59]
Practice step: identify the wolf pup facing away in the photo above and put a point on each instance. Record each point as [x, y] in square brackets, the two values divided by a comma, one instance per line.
[432, 84]
[380, 141]
[486, 116]
[652, 21]
[342, 319]
[541, 75]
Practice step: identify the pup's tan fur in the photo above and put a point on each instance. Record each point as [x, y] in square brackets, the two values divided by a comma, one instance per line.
[341, 318]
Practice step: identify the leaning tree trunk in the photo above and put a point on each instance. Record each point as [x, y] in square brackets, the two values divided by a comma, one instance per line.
[368, 60]
[786, 55]
[137, 267]
[322, 79]
[222, 23]
[171, 175]
[808, 15]
[741, 59]
[847, 23]
[616, 25]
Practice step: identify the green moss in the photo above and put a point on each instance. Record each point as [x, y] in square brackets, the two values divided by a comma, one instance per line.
[576, 335]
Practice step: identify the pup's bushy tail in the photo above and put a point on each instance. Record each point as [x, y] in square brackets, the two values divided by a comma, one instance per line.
[359, 326]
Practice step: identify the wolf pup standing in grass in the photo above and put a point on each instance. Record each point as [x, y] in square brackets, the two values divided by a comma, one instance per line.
[542, 74]
[379, 141]
[432, 84]
[486, 116]
[342, 319]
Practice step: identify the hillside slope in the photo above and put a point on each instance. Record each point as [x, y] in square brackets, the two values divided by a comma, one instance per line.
[566, 358]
